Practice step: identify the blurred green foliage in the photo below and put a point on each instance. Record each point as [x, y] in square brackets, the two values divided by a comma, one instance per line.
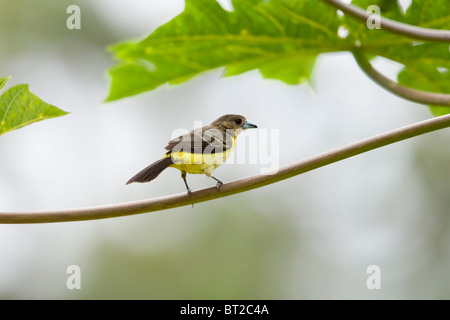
[238, 253]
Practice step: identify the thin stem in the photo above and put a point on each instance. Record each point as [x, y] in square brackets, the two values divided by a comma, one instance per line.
[425, 97]
[391, 25]
[234, 187]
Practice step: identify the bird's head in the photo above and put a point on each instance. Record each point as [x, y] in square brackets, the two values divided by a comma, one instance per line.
[234, 122]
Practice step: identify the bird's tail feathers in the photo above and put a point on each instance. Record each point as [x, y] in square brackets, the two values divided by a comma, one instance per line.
[152, 171]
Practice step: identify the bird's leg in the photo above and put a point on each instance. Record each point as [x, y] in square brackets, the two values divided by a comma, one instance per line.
[219, 182]
[183, 175]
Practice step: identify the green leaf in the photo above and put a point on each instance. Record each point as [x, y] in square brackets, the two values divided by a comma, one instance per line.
[19, 107]
[428, 78]
[430, 71]
[405, 50]
[426, 64]
[429, 14]
[3, 81]
[281, 38]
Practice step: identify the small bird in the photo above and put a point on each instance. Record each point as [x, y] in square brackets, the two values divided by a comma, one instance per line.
[200, 151]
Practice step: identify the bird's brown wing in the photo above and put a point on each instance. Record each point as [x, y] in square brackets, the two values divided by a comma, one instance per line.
[207, 139]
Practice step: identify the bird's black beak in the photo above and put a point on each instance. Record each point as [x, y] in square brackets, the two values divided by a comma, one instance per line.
[249, 125]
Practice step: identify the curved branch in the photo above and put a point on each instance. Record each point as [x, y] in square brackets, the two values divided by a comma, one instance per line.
[234, 187]
[393, 26]
[425, 97]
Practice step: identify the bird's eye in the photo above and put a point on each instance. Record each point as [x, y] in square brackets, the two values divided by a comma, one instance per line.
[238, 121]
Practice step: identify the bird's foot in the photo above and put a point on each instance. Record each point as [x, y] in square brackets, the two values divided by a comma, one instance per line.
[219, 182]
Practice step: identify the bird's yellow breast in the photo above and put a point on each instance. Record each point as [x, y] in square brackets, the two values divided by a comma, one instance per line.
[199, 163]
